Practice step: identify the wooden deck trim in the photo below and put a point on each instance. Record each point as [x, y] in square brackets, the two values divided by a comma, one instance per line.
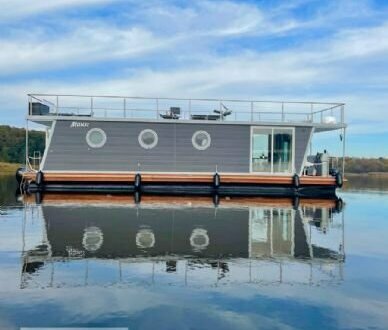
[179, 178]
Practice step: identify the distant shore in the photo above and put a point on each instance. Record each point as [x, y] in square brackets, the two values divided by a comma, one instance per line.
[6, 168]
[372, 174]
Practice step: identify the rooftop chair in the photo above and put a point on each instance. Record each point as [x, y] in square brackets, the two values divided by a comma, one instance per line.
[220, 114]
[173, 113]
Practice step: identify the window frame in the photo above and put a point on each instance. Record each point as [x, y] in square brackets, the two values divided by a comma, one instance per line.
[198, 147]
[94, 145]
[272, 128]
[146, 146]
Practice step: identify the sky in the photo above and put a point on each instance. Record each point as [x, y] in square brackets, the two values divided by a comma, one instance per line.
[329, 51]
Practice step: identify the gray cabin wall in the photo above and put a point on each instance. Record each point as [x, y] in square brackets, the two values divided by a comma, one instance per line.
[229, 150]
[69, 151]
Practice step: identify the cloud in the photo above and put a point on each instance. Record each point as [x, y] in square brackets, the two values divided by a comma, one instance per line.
[83, 45]
[23, 8]
[358, 43]
[171, 30]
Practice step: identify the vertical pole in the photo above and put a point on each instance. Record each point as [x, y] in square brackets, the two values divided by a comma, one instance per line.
[56, 104]
[282, 111]
[343, 151]
[91, 107]
[271, 232]
[27, 150]
[125, 108]
[251, 111]
[312, 112]
[24, 219]
[272, 141]
[343, 233]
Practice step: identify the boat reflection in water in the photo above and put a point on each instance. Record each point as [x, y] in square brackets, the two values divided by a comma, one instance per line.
[95, 240]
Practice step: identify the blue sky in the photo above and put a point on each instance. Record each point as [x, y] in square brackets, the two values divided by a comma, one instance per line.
[283, 50]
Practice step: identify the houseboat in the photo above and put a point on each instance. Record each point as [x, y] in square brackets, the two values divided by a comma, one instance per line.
[120, 144]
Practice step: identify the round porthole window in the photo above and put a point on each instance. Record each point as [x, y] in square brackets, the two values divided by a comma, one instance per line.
[148, 139]
[92, 239]
[96, 138]
[201, 140]
[199, 239]
[145, 238]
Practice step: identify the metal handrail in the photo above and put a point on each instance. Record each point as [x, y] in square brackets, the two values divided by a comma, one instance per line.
[189, 107]
[185, 99]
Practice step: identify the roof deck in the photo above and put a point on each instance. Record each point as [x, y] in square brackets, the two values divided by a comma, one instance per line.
[322, 115]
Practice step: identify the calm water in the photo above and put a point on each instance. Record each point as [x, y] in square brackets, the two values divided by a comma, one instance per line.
[185, 264]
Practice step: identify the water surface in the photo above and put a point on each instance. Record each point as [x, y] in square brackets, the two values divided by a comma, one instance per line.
[186, 264]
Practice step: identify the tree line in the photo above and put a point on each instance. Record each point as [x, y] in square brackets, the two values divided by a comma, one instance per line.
[13, 143]
[366, 165]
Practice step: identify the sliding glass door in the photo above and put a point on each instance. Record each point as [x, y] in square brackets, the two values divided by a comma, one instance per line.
[262, 150]
[272, 150]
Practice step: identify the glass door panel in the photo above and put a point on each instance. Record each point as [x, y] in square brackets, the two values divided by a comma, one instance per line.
[261, 150]
[282, 151]
[272, 150]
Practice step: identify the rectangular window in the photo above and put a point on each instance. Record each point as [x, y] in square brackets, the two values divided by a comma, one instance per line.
[272, 150]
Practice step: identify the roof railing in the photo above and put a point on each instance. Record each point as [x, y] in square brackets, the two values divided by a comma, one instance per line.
[130, 107]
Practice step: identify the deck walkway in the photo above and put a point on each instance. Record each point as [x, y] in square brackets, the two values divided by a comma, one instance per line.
[149, 177]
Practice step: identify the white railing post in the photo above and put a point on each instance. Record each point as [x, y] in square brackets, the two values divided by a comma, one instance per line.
[343, 151]
[282, 111]
[251, 111]
[91, 107]
[57, 104]
[312, 112]
[27, 151]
